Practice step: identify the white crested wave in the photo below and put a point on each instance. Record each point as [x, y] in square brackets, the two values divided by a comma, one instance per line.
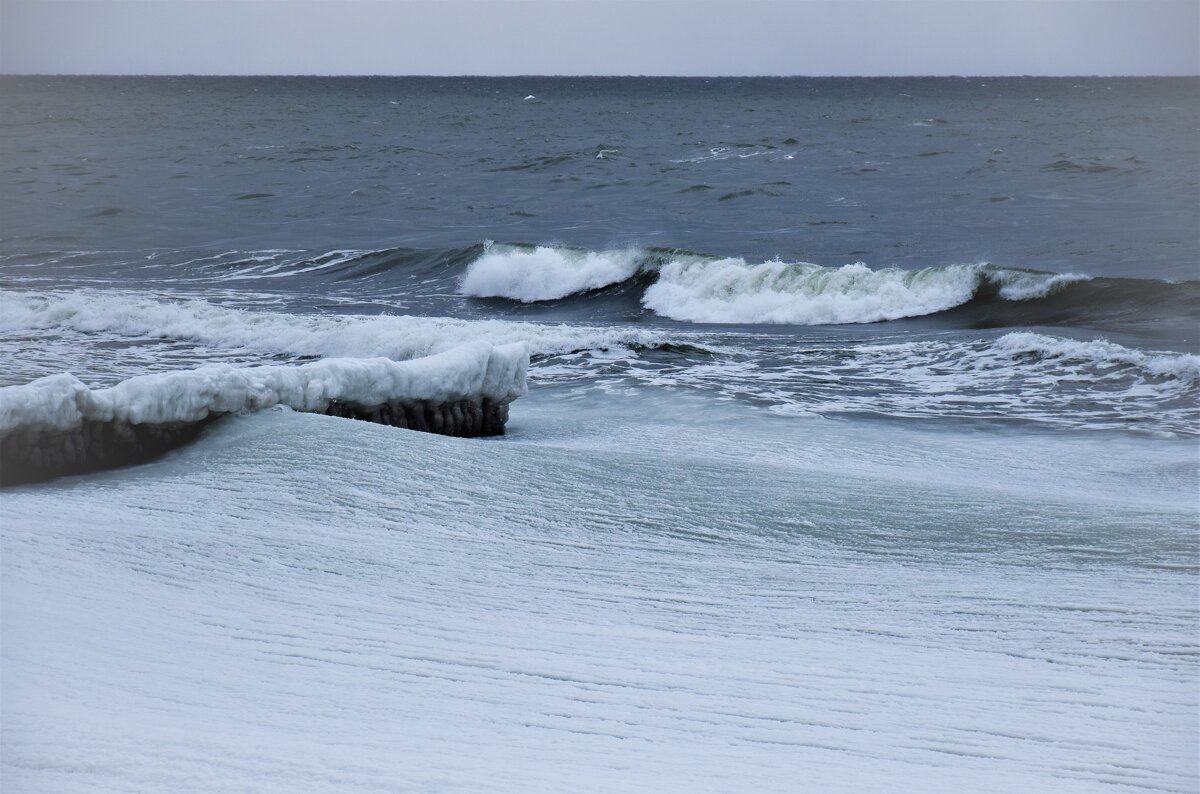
[81, 316]
[730, 290]
[1100, 353]
[1023, 285]
[469, 371]
[733, 291]
[545, 273]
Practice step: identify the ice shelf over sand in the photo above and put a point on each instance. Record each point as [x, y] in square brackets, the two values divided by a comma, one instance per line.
[57, 425]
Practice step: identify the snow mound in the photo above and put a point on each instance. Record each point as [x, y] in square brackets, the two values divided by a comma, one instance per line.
[58, 425]
[475, 370]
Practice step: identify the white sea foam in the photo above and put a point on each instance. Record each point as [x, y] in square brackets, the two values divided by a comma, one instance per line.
[1101, 353]
[733, 291]
[545, 273]
[722, 153]
[122, 314]
[1018, 376]
[475, 370]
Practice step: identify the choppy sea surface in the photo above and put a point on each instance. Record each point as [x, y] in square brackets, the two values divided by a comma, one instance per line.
[860, 449]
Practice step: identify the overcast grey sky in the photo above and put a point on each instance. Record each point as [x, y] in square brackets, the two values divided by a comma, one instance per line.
[665, 37]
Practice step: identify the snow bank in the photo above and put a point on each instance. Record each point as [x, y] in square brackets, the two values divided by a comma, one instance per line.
[720, 603]
[57, 425]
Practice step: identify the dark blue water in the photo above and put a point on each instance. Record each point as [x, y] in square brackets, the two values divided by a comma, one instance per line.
[1101, 175]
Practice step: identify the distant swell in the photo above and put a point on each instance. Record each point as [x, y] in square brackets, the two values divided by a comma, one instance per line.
[339, 265]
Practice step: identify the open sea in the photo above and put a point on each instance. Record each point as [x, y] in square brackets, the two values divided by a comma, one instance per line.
[859, 453]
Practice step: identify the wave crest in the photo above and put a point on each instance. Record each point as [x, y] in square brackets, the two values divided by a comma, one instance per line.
[732, 291]
[545, 273]
[704, 289]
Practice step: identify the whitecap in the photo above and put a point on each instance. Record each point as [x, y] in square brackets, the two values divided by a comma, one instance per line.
[734, 291]
[546, 273]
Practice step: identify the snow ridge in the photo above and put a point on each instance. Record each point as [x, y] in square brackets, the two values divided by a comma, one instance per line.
[474, 370]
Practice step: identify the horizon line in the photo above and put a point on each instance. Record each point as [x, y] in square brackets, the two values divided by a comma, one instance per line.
[914, 76]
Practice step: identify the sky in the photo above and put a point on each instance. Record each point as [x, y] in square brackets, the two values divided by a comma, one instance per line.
[581, 37]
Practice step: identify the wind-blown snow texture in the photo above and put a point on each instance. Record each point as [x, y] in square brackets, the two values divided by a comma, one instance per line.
[578, 608]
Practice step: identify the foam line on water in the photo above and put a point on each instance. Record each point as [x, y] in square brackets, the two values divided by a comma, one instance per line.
[392, 336]
[1101, 353]
[1020, 376]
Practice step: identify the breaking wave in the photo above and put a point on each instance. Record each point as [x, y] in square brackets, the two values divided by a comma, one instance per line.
[545, 273]
[555, 283]
[338, 265]
[732, 291]
[692, 287]
[698, 288]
